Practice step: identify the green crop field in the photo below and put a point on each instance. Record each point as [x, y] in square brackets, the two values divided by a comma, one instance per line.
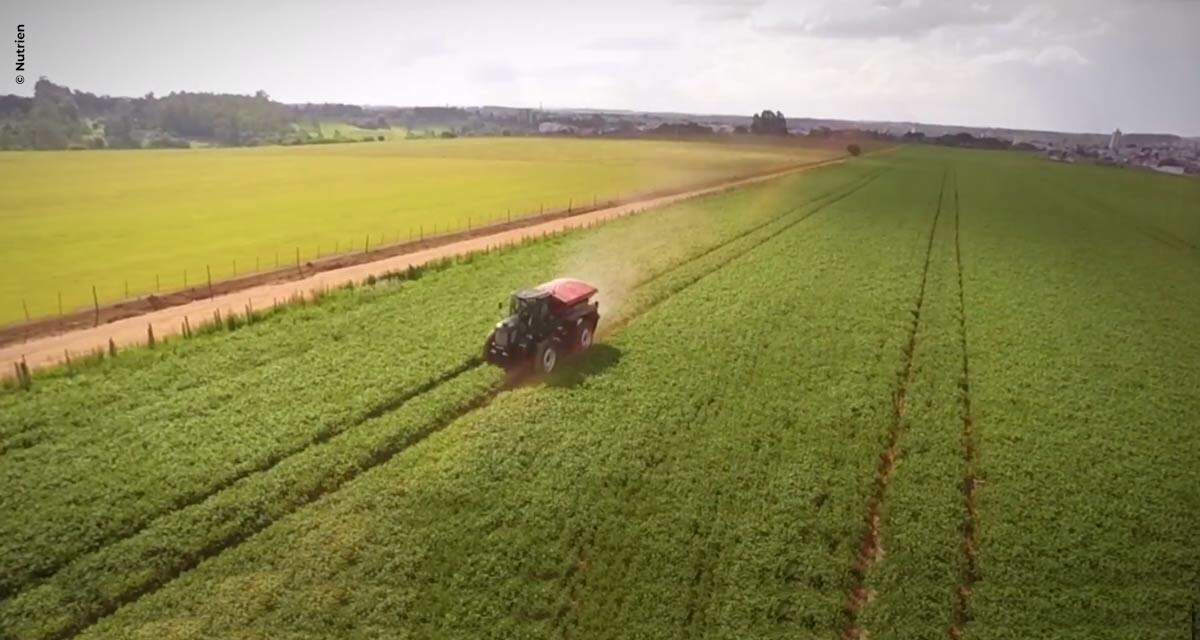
[141, 221]
[928, 393]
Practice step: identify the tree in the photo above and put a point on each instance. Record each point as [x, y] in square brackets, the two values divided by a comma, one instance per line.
[118, 131]
[769, 123]
[854, 149]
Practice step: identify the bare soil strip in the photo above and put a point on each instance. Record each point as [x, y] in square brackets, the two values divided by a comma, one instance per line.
[47, 342]
[970, 570]
[870, 548]
[380, 457]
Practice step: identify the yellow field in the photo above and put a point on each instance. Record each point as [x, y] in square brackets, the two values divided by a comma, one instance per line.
[72, 220]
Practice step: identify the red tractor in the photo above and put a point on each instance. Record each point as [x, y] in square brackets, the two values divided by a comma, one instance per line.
[544, 324]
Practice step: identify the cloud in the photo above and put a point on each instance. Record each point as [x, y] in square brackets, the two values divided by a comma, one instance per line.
[492, 72]
[1056, 55]
[632, 43]
[409, 50]
[1059, 54]
[725, 10]
[904, 19]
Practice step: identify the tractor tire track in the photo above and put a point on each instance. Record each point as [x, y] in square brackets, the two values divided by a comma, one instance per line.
[622, 322]
[572, 580]
[576, 577]
[379, 457]
[221, 545]
[854, 185]
[330, 431]
[870, 547]
[961, 614]
[321, 436]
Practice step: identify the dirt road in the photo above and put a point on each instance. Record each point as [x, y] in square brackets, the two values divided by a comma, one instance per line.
[53, 349]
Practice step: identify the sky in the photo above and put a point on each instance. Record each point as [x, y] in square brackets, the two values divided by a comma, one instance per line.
[1067, 65]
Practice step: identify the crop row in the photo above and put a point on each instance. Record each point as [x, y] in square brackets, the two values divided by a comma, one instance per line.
[1044, 483]
[695, 500]
[1084, 363]
[211, 521]
[910, 585]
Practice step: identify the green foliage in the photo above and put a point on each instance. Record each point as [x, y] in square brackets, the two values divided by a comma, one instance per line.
[302, 354]
[769, 123]
[147, 217]
[348, 467]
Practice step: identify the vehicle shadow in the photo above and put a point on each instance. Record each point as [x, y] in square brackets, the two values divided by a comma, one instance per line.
[581, 366]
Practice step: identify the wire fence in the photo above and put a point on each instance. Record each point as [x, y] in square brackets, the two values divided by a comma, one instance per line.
[198, 279]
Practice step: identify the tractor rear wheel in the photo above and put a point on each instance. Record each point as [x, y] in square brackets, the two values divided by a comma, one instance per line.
[546, 357]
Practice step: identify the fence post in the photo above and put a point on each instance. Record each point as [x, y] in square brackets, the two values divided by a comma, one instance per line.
[570, 203]
[209, 270]
[26, 307]
[157, 284]
[126, 289]
[367, 244]
[422, 232]
[96, 306]
[298, 269]
[149, 335]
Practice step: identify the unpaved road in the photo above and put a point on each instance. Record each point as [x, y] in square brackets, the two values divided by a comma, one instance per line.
[50, 350]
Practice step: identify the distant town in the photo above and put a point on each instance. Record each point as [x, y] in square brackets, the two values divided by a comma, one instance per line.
[1167, 153]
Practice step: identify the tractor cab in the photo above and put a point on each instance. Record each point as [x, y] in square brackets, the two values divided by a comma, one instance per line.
[529, 309]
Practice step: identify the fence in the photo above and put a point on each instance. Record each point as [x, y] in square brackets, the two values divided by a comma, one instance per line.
[203, 281]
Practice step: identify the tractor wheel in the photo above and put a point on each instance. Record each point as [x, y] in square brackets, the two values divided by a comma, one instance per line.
[546, 357]
[585, 335]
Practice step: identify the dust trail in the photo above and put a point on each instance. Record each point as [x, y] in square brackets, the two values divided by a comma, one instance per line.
[612, 259]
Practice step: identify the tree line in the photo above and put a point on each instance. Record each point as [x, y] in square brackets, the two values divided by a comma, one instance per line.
[57, 117]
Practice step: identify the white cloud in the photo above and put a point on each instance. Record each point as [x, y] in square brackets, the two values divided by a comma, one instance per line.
[1021, 63]
[1059, 54]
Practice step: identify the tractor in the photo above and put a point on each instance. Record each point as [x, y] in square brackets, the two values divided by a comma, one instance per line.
[543, 325]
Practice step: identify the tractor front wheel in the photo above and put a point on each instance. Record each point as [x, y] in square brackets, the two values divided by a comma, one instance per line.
[585, 335]
[546, 357]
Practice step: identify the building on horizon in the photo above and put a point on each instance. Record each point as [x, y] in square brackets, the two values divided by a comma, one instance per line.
[1114, 142]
